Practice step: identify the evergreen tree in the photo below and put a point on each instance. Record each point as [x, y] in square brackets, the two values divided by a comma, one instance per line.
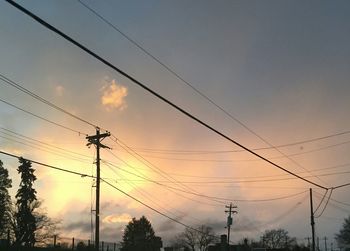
[343, 237]
[25, 223]
[5, 202]
[139, 236]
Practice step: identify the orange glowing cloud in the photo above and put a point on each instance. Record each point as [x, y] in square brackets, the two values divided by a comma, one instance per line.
[114, 96]
[115, 218]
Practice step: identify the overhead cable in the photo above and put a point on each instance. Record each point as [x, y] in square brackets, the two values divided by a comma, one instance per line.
[42, 118]
[21, 88]
[49, 166]
[194, 152]
[134, 80]
[206, 97]
[105, 181]
[150, 165]
[221, 199]
[325, 206]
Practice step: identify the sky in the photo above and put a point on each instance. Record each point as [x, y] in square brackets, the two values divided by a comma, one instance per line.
[279, 68]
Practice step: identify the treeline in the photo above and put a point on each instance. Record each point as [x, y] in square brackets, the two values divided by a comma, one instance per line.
[23, 223]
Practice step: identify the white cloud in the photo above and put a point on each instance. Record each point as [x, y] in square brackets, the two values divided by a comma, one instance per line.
[114, 96]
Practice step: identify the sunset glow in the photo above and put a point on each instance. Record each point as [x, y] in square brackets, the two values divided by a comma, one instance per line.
[270, 76]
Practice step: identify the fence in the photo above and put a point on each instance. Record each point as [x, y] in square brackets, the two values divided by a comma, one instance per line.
[62, 244]
[81, 244]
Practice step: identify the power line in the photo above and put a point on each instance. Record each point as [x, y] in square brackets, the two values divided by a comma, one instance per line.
[192, 87]
[339, 207]
[149, 207]
[283, 215]
[150, 165]
[323, 197]
[248, 160]
[221, 199]
[49, 166]
[118, 140]
[240, 180]
[19, 87]
[342, 203]
[248, 179]
[258, 177]
[35, 141]
[107, 63]
[42, 118]
[105, 181]
[233, 181]
[37, 97]
[343, 185]
[194, 152]
[48, 151]
[147, 195]
[325, 206]
[141, 175]
[193, 184]
[212, 198]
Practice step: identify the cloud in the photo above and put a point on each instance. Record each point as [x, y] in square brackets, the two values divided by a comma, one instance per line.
[240, 224]
[59, 90]
[114, 96]
[115, 218]
[109, 205]
[82, 226]
[245, 224]
[169, 225]
[112, 234]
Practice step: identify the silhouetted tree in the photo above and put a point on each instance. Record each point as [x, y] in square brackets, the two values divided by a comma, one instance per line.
[277, 238]
[139, 236]
[205, 237]
[5, 202]
[187, 239]
[192, 238]
[343, 237]
[46, 227]
[24, 220]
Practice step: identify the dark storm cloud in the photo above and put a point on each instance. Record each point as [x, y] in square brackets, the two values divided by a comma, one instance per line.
[242, 224]
[170, 225]
[83, 226]
[245, 224]
[112, 233]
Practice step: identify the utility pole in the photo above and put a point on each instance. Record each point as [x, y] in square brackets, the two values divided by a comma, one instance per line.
[318, 244]
[325, 243]
[96, 140]
[312, 221]
[229, 220]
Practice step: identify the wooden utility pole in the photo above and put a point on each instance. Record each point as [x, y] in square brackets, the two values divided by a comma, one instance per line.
[96, 140]
[312, 222]
[229, 220]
